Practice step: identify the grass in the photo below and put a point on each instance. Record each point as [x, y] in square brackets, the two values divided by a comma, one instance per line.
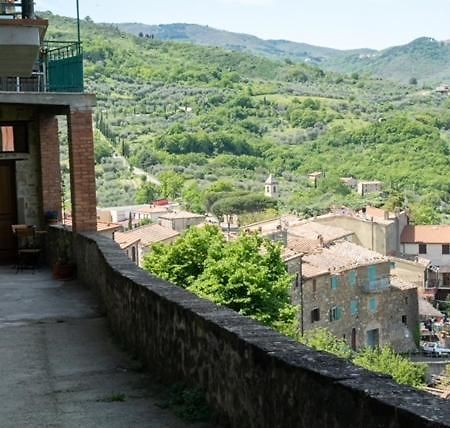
[187, 403]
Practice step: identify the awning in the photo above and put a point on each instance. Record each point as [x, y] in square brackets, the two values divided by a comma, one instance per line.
[426, 309]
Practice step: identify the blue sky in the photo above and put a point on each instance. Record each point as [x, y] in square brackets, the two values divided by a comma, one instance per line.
[343, 24]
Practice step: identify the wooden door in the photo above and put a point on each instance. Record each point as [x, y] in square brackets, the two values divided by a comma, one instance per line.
[8, 210]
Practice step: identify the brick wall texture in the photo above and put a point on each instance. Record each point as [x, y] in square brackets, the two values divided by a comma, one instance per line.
[50, 164]
[82, 167]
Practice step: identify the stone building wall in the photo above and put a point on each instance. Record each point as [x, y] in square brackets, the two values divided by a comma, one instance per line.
[360, 309]
[379, 237]
[28, 179]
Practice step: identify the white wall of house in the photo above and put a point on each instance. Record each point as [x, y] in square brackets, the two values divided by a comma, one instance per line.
[434, 253]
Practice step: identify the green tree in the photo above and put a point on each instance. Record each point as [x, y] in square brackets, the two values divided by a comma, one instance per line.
[385, 360]
[250, 277]
[321, 339]
[184, 260]
[192, 196]
[147, 193]
[236, 203]
[171, 184]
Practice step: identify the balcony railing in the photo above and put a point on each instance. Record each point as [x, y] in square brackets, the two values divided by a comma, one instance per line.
[376, 286]
[64, 66]
[59, 69]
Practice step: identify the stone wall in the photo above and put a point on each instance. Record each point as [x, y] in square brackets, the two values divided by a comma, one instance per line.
[253, 376]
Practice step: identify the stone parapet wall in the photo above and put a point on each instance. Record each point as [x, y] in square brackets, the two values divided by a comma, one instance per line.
[253, 376]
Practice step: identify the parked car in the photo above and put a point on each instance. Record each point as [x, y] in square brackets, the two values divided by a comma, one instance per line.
[435, 349]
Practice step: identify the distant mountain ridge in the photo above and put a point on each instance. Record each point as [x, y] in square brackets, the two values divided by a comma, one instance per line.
[205, 35]
[425, 59]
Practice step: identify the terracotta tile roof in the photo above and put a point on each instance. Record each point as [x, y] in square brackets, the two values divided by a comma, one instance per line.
[302, 246]
[103, 226]
[311, 230]
[401, 284]
[427, 234]
[148, 235]
[153, 210]
[181, 214]
[340, 256]
[272, 225]
[310, 271]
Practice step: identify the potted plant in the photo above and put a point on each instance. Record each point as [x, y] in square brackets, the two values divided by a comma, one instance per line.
[51, 217]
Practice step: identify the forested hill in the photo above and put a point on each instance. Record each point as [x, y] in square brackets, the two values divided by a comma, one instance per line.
[205, 35]
[205, 119]
[425, 59]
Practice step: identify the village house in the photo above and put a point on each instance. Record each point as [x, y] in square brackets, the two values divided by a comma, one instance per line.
[366, 187]
[350, 182]
[350, 291]
[315, 177]
[373, 228]
[137, 243]
[432, 243]
[152, 213]
[180, 220]
[442, 89]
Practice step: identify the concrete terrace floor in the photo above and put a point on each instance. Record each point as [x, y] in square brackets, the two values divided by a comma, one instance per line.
[59, 365]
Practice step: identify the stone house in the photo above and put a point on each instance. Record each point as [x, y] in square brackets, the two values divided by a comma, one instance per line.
[349, 182]
[430, 242]
[315, 177]
[350, 291]
[137, 242]
[366, 187]
[180, 220]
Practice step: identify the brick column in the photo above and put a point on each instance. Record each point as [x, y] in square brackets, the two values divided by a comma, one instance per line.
[82, 171]
[50, 165]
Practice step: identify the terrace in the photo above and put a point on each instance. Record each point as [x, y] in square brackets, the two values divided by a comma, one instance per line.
[60, 365]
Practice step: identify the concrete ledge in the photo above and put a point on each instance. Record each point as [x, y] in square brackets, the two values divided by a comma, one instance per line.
[74, 101]
[253, 376]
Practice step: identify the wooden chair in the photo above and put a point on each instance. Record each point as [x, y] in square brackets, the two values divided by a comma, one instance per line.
[28, 253]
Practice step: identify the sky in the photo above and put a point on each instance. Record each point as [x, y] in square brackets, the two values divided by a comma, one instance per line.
[341, 24]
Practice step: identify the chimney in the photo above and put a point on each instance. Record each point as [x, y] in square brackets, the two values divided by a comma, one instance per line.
[386, 215]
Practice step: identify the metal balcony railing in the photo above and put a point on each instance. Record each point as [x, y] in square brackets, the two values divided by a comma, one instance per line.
[64, 66]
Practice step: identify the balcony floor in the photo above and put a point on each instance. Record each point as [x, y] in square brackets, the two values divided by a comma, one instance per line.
[59, 365]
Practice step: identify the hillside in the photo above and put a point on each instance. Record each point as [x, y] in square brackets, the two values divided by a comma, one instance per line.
[426, 59]
[201, 118]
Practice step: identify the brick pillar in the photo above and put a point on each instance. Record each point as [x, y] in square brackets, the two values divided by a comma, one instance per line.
[50, 166]
[82, 171]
